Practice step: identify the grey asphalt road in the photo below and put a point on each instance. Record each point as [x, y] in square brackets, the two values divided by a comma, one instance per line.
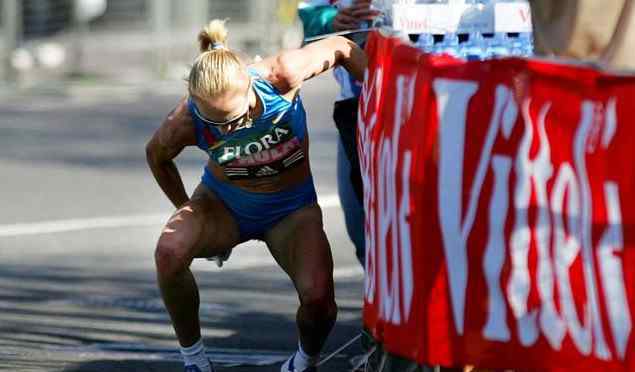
[80, 217]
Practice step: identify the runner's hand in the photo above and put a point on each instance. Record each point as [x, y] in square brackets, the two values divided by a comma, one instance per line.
[362, 10]
[349, 18]
[344, 20]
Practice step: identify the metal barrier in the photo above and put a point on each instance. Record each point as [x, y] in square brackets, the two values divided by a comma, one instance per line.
[43, 39]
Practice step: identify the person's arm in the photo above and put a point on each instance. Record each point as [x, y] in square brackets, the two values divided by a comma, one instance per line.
[324, 19]
[289, 69]
[175, 133]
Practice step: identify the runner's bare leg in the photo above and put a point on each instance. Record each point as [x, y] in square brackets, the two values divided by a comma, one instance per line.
[301, 248]
[201, 228]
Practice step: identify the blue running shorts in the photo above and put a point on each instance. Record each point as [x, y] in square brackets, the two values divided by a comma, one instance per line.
[255, 212]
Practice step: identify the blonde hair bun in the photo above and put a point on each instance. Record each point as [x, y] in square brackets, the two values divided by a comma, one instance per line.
[213, 34]
[216, 69]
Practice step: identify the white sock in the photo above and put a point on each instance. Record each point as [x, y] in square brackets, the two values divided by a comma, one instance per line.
[195, 355]
[303, 360]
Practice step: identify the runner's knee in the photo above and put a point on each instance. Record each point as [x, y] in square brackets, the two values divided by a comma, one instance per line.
[320, 299]
[172, 256]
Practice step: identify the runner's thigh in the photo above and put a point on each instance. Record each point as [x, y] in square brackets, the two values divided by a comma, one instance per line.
[299, 245]
[203, 227]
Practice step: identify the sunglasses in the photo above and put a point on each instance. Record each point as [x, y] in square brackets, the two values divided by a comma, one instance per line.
[239, 119]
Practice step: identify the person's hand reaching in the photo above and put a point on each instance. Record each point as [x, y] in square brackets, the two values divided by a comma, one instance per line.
[349, 18]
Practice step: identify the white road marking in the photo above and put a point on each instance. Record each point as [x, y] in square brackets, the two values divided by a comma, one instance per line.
[60, 226]
[329, 201]
[111, 222]
[243, 258]
[349, 272]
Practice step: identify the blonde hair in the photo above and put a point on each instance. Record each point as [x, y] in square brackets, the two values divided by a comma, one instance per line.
[214, 70]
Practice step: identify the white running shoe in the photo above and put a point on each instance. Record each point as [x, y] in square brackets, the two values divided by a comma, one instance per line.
[289, 366]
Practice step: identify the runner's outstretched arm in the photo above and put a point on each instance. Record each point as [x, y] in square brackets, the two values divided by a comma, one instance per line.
[289, 69]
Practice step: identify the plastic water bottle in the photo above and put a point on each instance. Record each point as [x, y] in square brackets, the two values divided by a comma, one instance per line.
[473, 49]
[460, 48]
[521, 44]
[450, 44]
[527, 44]
[495, 45]
[501, 45]
[426, 43]
[478, 44]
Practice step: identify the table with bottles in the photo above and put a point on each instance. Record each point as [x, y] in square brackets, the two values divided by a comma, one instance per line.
[468, 29]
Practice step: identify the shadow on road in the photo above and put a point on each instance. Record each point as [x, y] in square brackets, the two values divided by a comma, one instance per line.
[101, 319]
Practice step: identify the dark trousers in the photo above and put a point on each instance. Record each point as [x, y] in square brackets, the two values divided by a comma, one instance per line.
[345, 117]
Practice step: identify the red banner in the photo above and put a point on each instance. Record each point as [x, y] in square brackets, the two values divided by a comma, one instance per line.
[500, 229]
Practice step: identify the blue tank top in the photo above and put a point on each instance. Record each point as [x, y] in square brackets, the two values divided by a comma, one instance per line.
[270, 146]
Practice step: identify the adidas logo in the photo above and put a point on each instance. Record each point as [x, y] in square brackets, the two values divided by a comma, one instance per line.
[235, 171]
[266, 171]
[293, 158]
